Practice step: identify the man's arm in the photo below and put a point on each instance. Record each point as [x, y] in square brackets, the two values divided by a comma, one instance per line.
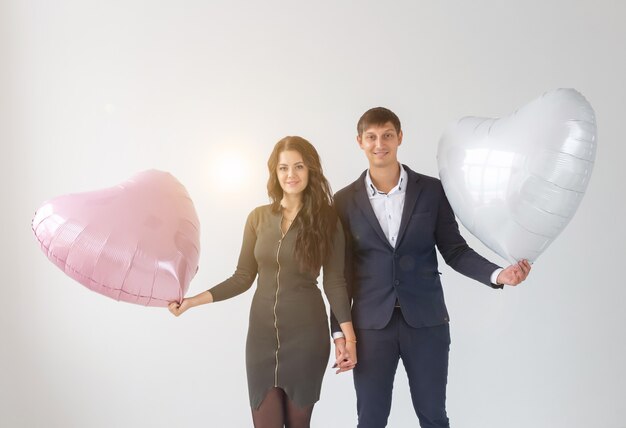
[464, 259]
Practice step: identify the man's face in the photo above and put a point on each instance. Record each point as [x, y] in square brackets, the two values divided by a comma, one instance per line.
[380, 144]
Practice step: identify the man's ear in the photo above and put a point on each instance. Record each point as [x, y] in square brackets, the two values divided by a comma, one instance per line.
[359, 140]
[400, 137]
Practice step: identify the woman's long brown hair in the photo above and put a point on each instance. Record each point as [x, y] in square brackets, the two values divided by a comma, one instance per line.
[317, 217]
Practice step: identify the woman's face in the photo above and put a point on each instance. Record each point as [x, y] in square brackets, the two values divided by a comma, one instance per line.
[292, 173]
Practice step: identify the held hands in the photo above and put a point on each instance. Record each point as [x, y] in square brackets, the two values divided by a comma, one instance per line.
[514, 274]
[345, 355]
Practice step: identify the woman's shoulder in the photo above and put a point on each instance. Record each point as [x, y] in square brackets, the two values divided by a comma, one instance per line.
[262, 209]
[261, 212]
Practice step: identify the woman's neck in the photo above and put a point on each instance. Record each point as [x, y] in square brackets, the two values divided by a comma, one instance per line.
[291, 204]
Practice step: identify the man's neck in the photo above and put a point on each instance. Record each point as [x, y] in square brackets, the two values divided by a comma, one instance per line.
[386, 178]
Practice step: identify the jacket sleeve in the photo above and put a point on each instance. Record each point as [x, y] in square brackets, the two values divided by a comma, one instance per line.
[247, 268]
[454, 248]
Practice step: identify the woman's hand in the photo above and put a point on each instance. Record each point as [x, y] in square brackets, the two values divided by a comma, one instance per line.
[178, 308]
[199, 299]
[347, 359]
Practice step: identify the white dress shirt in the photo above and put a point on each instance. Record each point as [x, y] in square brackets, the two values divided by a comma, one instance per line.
[388, 206]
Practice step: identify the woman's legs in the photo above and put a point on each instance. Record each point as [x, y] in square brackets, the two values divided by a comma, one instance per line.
[298, 417]
[271, 412]
[277, 411]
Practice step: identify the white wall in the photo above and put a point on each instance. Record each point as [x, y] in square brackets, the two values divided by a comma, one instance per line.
[93, 92]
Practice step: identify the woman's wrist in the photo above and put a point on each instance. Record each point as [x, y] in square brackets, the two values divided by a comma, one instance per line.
[348, 331]
[193, 301]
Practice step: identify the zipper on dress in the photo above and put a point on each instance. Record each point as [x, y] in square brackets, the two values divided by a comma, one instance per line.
[275, 306]
[280, 242]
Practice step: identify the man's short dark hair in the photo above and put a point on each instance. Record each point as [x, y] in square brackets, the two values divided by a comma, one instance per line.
[377, 116]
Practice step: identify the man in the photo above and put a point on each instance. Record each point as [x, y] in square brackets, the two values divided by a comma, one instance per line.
[393, 219]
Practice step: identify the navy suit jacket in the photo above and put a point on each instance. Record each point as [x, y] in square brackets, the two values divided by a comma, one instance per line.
[378, 274]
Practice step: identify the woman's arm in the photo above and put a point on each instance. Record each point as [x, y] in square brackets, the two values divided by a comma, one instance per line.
[197, 300]
[334, 282]
[240, 281]
[336, 291]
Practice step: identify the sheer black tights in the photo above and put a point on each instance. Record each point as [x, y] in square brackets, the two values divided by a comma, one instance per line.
[277, 411]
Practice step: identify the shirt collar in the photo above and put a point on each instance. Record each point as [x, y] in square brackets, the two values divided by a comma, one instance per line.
[399, 188]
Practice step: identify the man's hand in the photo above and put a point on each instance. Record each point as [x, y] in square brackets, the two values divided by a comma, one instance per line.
[514, 274]
[340, 346]
[345, 355]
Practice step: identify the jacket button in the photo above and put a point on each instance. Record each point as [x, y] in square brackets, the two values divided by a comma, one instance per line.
[397, 282]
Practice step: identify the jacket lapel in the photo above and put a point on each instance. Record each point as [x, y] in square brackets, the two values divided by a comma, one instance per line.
[413, 190]
[363, 202]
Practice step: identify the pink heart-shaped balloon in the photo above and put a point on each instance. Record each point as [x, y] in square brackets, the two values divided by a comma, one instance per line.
[138, 241]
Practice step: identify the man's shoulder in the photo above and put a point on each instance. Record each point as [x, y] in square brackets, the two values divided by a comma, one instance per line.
[424, 179]
[345, 192]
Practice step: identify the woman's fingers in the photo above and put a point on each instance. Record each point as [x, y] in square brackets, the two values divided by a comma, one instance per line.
[174, 308]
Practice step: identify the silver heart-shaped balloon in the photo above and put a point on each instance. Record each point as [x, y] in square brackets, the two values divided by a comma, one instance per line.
[517, 181]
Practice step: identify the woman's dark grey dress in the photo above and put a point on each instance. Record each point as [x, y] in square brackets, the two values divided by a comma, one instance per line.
[288, 336]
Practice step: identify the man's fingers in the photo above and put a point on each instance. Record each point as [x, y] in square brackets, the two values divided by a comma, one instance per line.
[345, 369]
[341, 362]
[524, 266]
[519, 272]
[344, 364]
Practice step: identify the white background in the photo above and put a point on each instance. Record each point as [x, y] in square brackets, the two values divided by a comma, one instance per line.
[92, 92]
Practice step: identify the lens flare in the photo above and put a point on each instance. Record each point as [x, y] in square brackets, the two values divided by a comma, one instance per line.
[231, 171]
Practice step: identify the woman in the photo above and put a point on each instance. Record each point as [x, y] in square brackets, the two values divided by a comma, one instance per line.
[286, 243]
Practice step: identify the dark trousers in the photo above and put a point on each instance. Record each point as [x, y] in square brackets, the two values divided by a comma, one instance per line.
[424, 353]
